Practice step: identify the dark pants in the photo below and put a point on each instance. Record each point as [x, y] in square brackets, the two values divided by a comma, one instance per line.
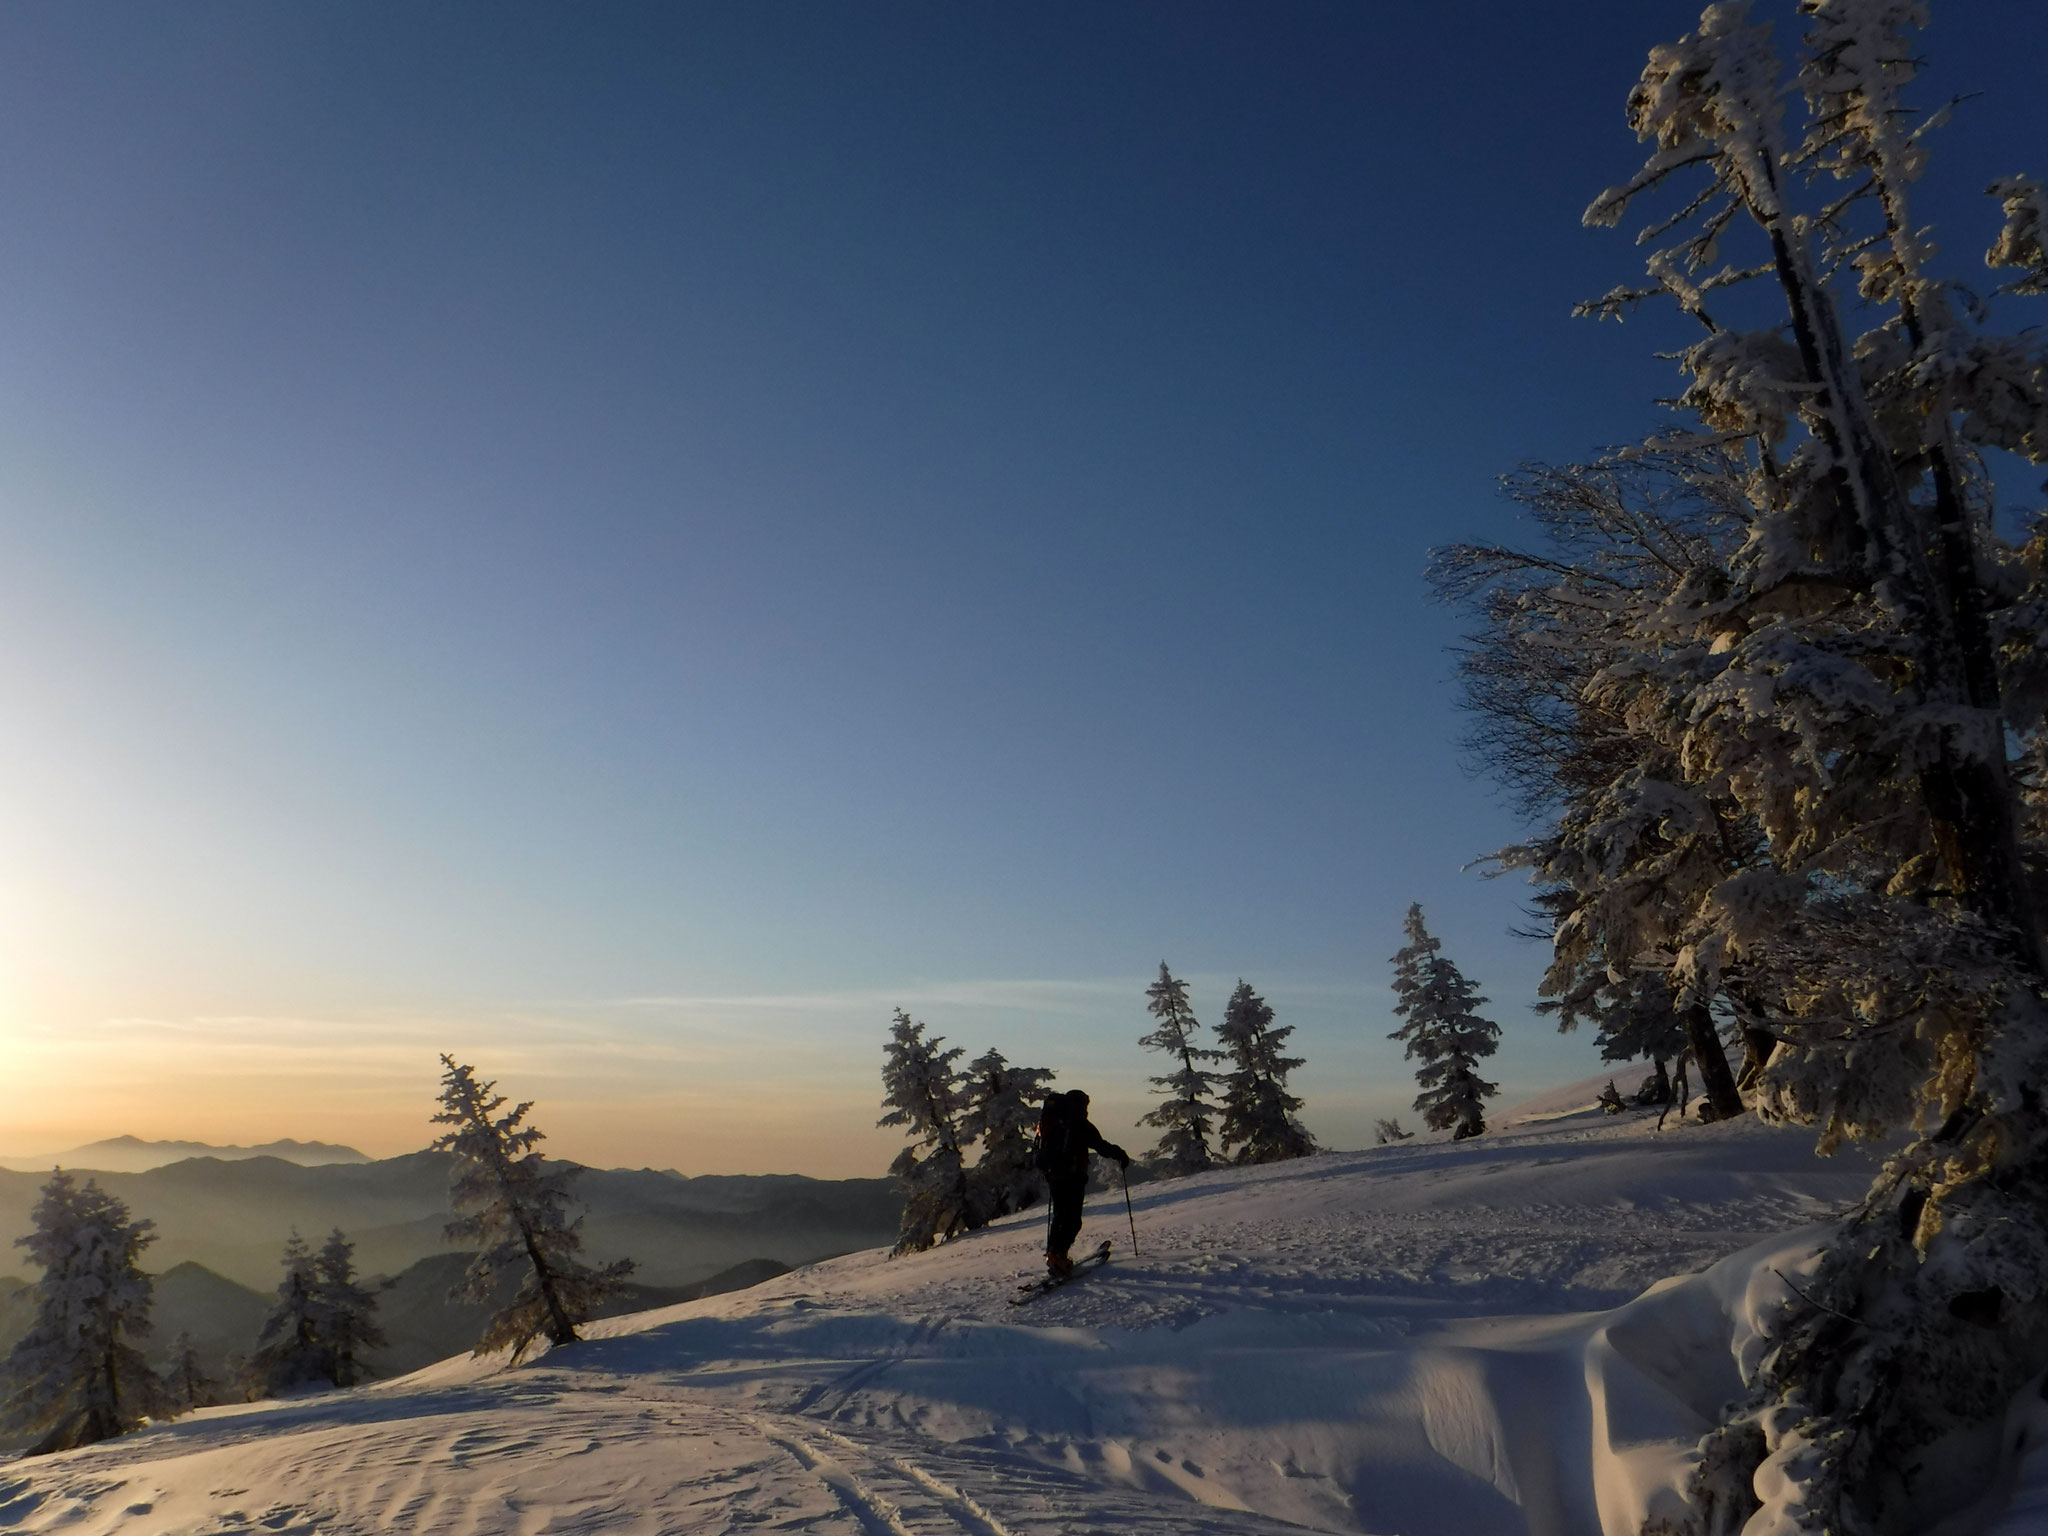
[1067, 1191]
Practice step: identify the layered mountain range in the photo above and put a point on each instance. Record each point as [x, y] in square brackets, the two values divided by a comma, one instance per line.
[221, 1226]
[233, 1217]
[131, 1154]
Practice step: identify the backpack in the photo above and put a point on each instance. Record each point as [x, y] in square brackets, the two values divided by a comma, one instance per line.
[1060, 1133]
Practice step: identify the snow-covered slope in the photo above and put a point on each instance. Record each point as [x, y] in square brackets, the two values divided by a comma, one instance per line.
[1425, 1338]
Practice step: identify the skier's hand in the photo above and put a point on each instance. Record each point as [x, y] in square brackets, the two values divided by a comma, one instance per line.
[1123, 1161]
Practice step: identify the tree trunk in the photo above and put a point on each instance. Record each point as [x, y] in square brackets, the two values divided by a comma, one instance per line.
[1659, 1088]
[1757, 1045]
[560, 1329]
[1717, 1082]
[1966, 789]
[1681, 1090]
[110, 1416]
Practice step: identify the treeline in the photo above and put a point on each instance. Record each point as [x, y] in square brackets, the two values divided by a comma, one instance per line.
[991, 1108]
[78, 1376]
[1224, 1104]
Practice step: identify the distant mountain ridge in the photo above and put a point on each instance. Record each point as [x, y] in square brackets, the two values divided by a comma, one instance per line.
[233, 1216]
[131, 1154]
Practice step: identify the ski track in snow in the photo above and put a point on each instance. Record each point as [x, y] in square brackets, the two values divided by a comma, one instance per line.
[1415, 1339]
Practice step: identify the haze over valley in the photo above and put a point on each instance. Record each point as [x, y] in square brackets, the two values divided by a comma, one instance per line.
[933, 769]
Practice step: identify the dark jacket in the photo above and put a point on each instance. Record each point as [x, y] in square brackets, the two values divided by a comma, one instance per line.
[1065, 1143]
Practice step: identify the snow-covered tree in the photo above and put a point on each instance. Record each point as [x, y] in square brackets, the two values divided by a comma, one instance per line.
[290, 1352]
[185, 1383]
[1634, 846]
[923, 1092]
[1851, 692]
[321, 1324]
[1636, 1018]
[74, 1377]
[1183, 1120]
[1000, 1112]
[1441, 1029]
[1387, 1132]
[515, 1208]
[347, 1312]
[1258, 1111]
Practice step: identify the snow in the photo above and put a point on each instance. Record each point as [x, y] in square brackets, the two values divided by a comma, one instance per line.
[1578, 1098]
[1430, 1338]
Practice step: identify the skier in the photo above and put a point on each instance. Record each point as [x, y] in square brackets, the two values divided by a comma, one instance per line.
[1065, 1138]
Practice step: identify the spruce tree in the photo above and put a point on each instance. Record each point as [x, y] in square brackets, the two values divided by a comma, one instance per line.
[1443, 1031]
[1258, 1111]
[290, 1352]
[185, 1383]
[74, 1378]
[1387, 1132]
[1001, 1113]
[1635, 1019]
[347, 1321]
[515, 1209]
[922, 1091]
[1184, 1118]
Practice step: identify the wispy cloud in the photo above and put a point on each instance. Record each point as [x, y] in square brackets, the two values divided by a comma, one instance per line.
[1065, 996]
[689, 1078]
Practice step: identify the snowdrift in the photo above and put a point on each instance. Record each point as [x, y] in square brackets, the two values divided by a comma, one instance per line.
[1523, 1333]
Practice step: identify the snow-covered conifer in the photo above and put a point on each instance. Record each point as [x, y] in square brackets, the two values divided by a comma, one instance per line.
[1000, 1111]
[290, 1352]
[1853, 692]
[1184, 1118]
[1441, 1029]
[515, 1208]
[1186, 1113]
[922, 1091]
[73, 1377]
[185, 1382]
[347, 1312]
[1387, 1132]
[1636, 1018]
[1258, 1111]
[1637, 846]
[321, 1324]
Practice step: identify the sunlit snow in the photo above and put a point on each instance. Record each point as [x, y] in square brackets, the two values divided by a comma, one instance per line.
[1432, 1337]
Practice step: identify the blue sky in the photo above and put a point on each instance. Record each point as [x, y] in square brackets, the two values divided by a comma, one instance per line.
[640, 535]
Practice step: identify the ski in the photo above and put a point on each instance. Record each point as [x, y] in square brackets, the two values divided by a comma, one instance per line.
[1031, 1290]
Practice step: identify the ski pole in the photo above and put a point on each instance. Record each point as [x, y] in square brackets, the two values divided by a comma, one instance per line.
[1125, 1173]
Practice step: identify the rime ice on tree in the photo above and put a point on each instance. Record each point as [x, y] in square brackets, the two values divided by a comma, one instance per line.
[290, 1352]
[1184, 1118]
[1636, 850]
[186, 1384]
[922, 1091]
[348, 1325]
[321, 1325]
[1854, 690]
[74, 1378]
[1258, 1111]
[516, 1210]
[1442, 1031]
[1001, 1105]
